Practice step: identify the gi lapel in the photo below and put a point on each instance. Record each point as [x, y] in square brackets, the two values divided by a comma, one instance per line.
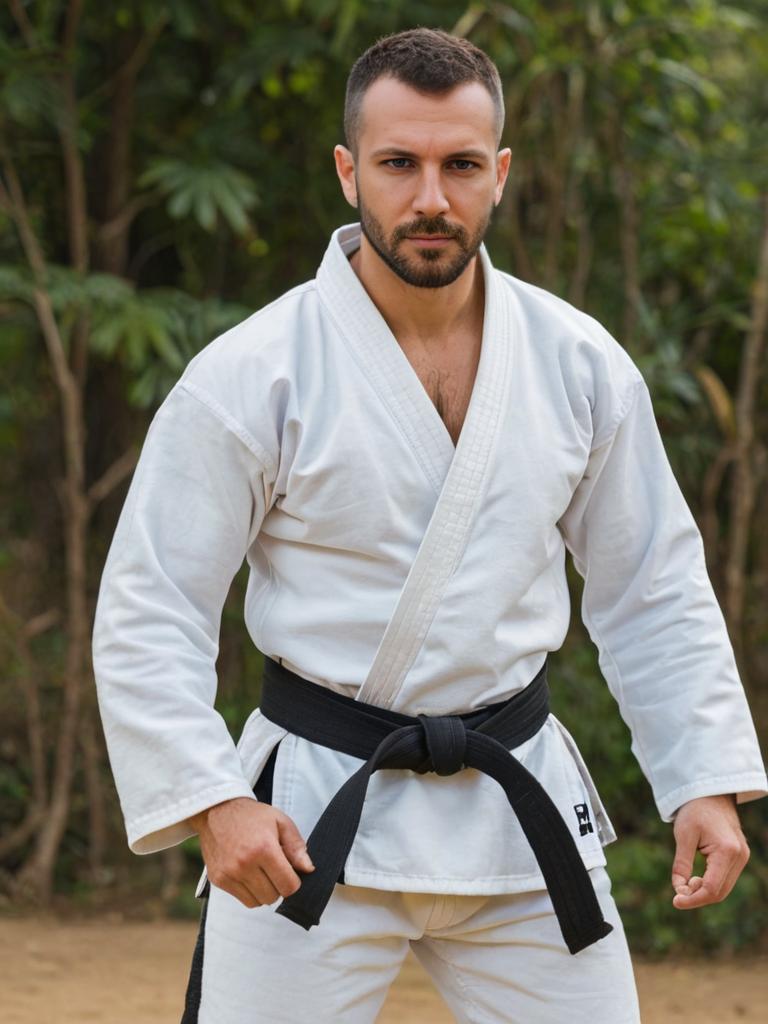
[462, 488]
[375, 350]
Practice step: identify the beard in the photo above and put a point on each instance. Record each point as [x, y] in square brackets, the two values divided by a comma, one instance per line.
[427, 268]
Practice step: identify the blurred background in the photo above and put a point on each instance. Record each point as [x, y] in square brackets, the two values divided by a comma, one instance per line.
[166, 169]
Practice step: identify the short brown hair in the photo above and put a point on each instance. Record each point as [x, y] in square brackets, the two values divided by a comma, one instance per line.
[430, 61]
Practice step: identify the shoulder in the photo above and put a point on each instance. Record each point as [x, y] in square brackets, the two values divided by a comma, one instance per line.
[559, 324]
[247, 367]
[245, 376]
[588, 359]
[265, 337]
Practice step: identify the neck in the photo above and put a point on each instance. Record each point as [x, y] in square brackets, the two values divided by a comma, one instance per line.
[425, 313]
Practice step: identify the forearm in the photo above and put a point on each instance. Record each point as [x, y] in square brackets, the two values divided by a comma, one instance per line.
[184, 530]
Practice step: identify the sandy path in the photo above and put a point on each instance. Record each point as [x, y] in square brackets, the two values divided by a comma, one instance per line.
[116, 972]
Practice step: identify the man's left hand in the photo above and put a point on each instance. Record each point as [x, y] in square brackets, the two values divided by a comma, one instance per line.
[710, 824]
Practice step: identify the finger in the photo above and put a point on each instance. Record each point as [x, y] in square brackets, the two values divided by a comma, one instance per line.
[239, 891]
[687, 844]
[279, 871]
[293, 845]
[260, 884]
[735, 872]
[720, 864]
[724, 865]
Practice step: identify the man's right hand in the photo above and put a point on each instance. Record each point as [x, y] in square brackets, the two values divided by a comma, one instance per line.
[251, 849]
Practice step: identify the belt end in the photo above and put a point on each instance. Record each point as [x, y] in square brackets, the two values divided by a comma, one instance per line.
[576, 943]
[297, 915]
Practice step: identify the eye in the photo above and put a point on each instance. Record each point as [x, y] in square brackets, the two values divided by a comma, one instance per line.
[399, 163]
[463, 165]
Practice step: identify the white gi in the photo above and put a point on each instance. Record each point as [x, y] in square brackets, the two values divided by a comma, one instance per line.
[391, 566]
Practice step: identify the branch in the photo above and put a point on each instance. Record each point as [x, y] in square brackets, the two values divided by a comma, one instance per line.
[18, 633]
[116, 225]
[74, 13]
[468, 21]
[76, 192]
[713, 479]
[13, 201]
[630, 249]
[133, 64]
[116, 473]
[510, 203]
[753, 346]
[742, 496]
[42, 302]
[77, 203]
[555, 174]
[25, 25]
[41, 623]
[13, 840]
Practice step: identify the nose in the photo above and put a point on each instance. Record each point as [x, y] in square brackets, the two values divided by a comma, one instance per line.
[430, 199]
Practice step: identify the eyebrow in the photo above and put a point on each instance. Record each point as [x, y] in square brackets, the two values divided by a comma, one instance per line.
[464, 154]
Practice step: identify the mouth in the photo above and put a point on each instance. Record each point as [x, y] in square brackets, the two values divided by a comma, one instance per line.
[430, 240]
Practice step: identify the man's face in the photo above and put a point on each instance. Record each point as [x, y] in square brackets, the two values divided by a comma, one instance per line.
[426, 177]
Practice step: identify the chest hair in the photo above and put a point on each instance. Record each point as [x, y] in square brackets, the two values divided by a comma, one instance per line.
[450, 390]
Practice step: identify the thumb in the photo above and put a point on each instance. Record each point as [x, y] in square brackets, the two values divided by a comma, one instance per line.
[682, 866]
[294, 847]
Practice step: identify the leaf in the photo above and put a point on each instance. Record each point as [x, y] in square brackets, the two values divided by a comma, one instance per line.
[15, 283]
[204, 189]
[231, 204]
[28, 92]
[181, 202]
[106, 289]
[68, 289]
[736, 18]
[687, 76]
[205, 210]
[719, 399]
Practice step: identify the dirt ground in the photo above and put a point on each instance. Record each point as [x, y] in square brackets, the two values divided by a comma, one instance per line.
[111, 971]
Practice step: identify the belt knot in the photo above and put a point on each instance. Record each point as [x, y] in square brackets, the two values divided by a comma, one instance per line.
[446, 737]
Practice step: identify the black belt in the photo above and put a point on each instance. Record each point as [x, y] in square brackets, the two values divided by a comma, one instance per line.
[444, 744]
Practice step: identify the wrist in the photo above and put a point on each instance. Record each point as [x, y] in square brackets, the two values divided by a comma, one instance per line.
[199, 820]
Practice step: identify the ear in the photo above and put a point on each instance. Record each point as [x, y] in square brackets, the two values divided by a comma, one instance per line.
[503, 160]
[345, 168]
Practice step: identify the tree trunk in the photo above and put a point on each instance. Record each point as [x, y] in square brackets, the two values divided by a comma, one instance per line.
[110, 250]
[555, 173]
[630, 247]
[97, 814]
[173, 872]
[742, 494]
[629, 220]
[35, 878]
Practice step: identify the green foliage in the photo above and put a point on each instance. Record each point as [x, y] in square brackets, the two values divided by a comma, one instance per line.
[206, 190]
[28, 94]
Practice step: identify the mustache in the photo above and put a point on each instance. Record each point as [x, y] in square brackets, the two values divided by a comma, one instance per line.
[429, 226]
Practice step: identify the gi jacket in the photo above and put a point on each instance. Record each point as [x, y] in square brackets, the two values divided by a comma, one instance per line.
[393, 567]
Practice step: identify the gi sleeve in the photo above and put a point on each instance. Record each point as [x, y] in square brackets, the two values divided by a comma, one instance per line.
[650, 609]
[194, 506]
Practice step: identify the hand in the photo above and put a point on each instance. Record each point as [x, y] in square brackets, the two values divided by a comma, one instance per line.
[710, 824]
[251, 849]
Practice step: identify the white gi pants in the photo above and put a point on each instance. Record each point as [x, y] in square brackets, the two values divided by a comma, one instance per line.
[494, 959]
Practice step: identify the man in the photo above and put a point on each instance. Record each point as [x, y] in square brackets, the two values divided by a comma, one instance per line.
[403, 449]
